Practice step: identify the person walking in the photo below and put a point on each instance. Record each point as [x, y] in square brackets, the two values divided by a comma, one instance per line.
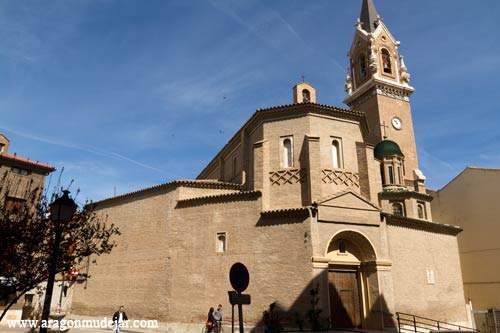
[119, 317]
[218, 316]
[210, 324]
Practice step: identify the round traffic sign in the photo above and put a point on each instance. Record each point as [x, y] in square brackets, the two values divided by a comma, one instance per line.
[239, 277]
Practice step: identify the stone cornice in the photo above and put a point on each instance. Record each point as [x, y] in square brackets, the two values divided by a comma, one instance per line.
[404, 195]
[405, 222]
[378, 86]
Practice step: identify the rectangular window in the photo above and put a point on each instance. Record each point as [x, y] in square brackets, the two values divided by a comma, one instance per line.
[390, 169]
[19, 171]
[235, 166]
[431, 277]
[221, 242]
[14, 204]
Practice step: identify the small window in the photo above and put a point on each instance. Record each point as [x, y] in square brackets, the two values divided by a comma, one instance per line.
[342, 246]
[2, 147]
[400, 176]
[14, 205]
[431, 276]
[362, 67]
[235, 166]
[336, 161]
[287, 153]
[221, 242]
[306, 96]
[19, 171]
[398, 209]
[386, 62]
[390, 170]
[382, 174]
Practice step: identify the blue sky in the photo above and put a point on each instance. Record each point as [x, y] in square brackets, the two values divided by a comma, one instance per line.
[128, 94]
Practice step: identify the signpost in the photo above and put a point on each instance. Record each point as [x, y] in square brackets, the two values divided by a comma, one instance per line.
[239, 278]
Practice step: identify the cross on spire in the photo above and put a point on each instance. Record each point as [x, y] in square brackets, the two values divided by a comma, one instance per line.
[303, 78]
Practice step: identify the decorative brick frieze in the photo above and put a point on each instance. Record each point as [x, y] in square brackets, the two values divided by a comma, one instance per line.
[340, 177]
[287, 176]
[393, 92]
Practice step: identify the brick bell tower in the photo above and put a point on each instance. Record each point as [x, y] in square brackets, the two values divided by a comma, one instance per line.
[378, 84]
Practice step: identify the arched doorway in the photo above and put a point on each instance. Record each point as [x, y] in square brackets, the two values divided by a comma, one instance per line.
[351, 275]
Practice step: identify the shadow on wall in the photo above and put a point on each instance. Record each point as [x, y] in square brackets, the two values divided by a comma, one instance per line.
[311, 312]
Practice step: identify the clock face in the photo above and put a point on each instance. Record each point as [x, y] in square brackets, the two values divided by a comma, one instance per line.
[396, 123]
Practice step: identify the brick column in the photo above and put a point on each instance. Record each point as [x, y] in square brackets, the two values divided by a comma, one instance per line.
[261, 171]
[313, 169]
[370, 180]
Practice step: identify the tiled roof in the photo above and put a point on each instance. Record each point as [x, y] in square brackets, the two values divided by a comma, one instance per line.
[27, 162]
[276, 110]
[223, 197]
[300, 105]
[404, 194]
[406, 222]
[294, 211]
[198, 183]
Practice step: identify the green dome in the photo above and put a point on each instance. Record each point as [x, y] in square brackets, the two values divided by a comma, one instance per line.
[387, 148]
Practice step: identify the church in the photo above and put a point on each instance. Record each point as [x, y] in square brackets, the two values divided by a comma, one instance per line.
[309, 197]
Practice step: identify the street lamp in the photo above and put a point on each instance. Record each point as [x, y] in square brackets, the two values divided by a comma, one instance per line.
[61, 211]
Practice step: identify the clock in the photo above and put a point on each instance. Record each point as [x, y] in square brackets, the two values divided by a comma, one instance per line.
[397, 123]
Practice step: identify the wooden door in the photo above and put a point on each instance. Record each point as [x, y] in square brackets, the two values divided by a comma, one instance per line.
[345, 302]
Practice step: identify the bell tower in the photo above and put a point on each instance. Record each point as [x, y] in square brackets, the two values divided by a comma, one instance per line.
[378, 84]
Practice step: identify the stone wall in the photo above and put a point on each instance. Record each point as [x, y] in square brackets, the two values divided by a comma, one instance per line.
[471, 202]
[414, 255]
[276, 252]
[135, 273]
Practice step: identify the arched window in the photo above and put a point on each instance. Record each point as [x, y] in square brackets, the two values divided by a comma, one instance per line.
[422, 213]
[306, 96]
[335, 154]
[362, 67]
[287, 153]
[386, 61]
[221, 242]
[398, 209]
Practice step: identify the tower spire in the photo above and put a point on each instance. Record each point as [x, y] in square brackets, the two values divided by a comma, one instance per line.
[369, 16]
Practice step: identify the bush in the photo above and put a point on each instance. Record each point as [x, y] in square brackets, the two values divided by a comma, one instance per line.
[272, 319]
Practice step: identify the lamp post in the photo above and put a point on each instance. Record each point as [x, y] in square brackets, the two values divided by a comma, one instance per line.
[61, 211]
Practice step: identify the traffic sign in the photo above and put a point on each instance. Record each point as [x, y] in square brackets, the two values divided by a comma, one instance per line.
[237, 298]
[239, 277]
